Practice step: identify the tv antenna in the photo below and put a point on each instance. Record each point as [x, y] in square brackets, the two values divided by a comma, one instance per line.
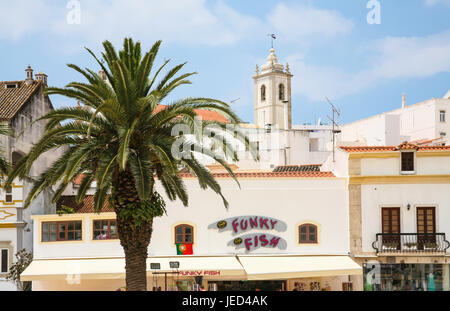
[333, 121]
[235, 100]
[273, 37]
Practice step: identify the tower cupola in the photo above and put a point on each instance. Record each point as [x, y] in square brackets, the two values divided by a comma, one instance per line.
[273, 94]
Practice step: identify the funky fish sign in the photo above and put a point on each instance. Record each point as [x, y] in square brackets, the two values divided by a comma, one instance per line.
[243, 224]
[254, 241]
[250, 242]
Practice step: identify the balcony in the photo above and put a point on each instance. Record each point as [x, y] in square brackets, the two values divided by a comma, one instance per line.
[410, 243]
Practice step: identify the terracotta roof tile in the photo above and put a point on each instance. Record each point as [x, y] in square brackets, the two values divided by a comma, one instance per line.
[250, 174]
[433, 148]
[299, 174]
[368, 148]
[207, 115]
[407, 146]
[12, 99]
[392, 148]
[87, 206]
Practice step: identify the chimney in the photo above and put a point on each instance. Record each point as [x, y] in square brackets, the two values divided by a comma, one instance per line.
[42, 77]
[403, 100]
[29, 75]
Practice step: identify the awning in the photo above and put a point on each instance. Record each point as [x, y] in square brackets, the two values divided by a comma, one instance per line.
[255, 267]
[114, 268]
[70, 269]
[289, 267]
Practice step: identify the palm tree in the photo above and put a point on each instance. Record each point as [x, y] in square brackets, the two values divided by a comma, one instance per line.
[123, 140]
[4, 165]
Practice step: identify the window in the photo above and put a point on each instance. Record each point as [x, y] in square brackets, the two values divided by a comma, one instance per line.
[263, 92]
[4, 261]
[307, 234]
[184, 234]
[407, 161]
[390, 219]
[426, 220]
[442, 134]
[8, 195]
[281, 92]
[442, 116]
[105, 229]
[426, 227]
[61, 231]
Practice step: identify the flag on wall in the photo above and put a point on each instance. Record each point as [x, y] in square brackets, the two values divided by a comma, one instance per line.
[184, 249]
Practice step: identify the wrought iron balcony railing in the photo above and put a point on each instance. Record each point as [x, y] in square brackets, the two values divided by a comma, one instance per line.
[411, 243]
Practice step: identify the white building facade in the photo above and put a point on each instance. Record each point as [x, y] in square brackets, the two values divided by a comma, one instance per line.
[399, 209]
[22, 103]
[281, 231]
[428, 120]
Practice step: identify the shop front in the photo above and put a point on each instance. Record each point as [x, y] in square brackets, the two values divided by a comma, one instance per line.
[278, 234]
[407, 277]
[191, 273]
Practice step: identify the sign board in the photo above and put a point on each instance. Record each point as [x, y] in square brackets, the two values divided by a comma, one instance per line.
[252, 241]
[244, 224]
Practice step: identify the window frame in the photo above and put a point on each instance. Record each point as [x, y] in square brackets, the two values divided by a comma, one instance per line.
[263, 92]
[387, 214]
[281, 91]
[8, 195]
[57, 232]
[442, 116]
[426, 217]
[183, 234]
[7, 260]
[308, 233]
[108, 234]
[406, 172]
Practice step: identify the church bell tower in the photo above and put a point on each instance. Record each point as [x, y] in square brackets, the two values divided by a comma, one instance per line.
[273, 94]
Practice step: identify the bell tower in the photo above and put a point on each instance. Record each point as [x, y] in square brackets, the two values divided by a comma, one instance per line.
[273, 94]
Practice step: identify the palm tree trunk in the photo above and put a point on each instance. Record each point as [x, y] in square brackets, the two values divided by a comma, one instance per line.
[133, 238]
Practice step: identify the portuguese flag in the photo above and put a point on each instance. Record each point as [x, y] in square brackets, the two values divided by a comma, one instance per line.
[184, 249]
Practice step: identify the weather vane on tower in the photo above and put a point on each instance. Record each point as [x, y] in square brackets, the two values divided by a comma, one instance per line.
[272, 35]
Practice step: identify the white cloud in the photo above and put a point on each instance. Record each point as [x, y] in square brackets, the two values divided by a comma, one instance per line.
[316, 81]
[299, 21]
[413, 57]
[180, 21]
[435, 2]
[392, 58]
[22, 17]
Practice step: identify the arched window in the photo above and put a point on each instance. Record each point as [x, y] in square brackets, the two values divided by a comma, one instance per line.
[307, 234]
[184, 234]
[263, 92]
[281, 91]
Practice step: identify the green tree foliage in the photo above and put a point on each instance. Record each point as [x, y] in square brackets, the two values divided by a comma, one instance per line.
[123, 141]
[23, 260]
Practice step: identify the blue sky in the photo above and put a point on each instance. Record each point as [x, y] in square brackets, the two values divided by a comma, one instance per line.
[331, 49]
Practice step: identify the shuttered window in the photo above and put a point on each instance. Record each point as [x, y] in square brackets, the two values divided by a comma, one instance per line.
[307, 234]
[407, 161]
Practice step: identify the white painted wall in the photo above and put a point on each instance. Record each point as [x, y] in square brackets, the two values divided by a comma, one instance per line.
[391, 166]
[374, 197]
[322, 201]
[414, 122]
